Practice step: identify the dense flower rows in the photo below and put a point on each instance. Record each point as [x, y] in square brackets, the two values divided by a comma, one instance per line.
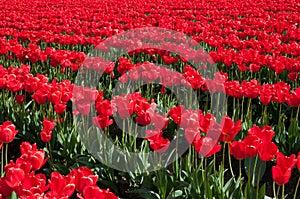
[44, 45]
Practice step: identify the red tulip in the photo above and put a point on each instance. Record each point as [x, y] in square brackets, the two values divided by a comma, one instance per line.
[267, 151]
[157, 141]
[237, 149]
[60, 108]
[37, 159]
[5, 190]
[20, 99]
[286, 162]
[190, 134]
[266, 93]
[46, 136]
[254, 68]
[40, 96]
[102, 122]
[48, 124]
[27, 148]
[205, 121]
[298, 161]
[14, 176]
[7, 132]
[33, 185]
[206, 146]
[92, 192]
[230, 129]
[160, 121]
[175, 113]
[251, 89]
[60, 186]
[251, 142]
[84, 177]
[281, 176]
[293, 76]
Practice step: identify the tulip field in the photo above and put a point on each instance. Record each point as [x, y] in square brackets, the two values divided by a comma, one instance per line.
[106, 99]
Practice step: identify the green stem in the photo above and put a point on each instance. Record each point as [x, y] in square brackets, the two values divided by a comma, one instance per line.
[297, 114]
[233, 116]
[2, 161]
[274, 190]
[277, 192]
[254, 169]
[258, 177]
[282, 195]
[214, 163]
[223, 154]
[6, 152]
[242, 114]
[265, 115]
[240, 168]
[230, 165]
[296, 190]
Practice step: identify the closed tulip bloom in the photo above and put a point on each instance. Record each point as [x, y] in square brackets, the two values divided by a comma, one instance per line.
[7, 132]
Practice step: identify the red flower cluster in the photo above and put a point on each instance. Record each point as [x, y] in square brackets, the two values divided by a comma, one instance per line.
[46, 133]
[258, 141]
[33, 53]
[279, 92]
[18, 79]
[20, 177]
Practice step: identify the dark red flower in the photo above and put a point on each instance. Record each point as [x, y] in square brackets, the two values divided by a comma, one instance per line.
[5, 190]
[293, 76]
[20, 99]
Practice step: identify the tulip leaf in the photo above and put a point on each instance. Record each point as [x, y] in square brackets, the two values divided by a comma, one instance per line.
[145, 193]
[13, 195]
[255, 169]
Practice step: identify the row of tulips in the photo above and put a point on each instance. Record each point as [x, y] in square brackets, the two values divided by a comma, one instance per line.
[22, 177]
[211, 16]
[245, 59]
[18, 79]
[255, 45]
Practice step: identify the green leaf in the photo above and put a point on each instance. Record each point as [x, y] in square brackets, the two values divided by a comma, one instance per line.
[254, 167]
[145, 193]
[13, 195]
[109, 185]
[262, 192]
[175, 194]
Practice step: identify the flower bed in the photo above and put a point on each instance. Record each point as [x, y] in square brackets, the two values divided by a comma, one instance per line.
[151, 99]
